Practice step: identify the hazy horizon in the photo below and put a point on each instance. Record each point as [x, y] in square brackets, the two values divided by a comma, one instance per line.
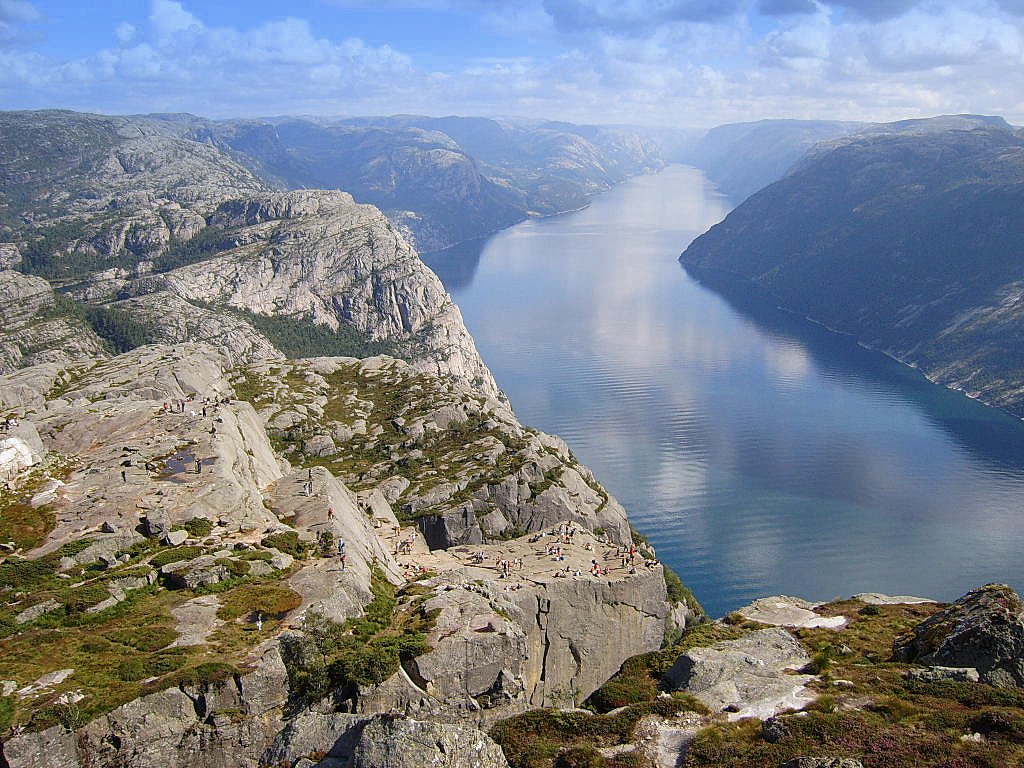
[662, 63]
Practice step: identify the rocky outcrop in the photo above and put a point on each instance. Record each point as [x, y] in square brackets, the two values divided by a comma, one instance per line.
[581, 630]
[35, 331]
[461, 466]
[401, 743]
[785, 611]
[208, 725]
[748, 677]
[137, 197]
[319, 257]
[984, 630]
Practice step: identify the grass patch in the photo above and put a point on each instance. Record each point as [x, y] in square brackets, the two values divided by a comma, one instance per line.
[197, 527]
[272, 600]
[546, 738]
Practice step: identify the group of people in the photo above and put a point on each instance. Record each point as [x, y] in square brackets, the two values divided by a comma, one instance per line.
[506, 566]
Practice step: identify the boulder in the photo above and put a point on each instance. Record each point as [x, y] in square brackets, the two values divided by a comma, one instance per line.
[749, 677]
[205, 570]
[984, 629]
[388, 742]
[34, 612]
[938, 674]
[451, 528]
[156, 524]
[174, 538]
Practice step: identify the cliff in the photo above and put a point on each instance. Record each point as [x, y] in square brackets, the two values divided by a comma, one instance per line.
[159, 237]
[909, 226]
[174, 590]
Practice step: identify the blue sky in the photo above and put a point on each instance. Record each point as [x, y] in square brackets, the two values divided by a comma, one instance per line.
[690, 63]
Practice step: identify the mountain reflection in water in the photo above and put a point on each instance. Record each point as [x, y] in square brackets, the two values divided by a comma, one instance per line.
[759, 453]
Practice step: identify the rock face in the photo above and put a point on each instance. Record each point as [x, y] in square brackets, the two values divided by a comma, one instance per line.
[461, 466]
[145, 209]
[920, 258]
[186, 727]
[984, 629]
[319, 257]
[401, 743]
[34, 331]
[749, 676]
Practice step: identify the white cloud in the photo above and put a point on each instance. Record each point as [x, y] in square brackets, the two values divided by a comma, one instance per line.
[20, 12]
[169, 17]
[125, 32]
[683, 62]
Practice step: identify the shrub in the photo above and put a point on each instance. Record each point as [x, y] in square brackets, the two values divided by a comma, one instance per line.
[198, 527]
[287, 542]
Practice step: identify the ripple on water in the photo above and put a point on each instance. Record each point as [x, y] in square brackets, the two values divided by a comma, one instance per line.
[759, 453]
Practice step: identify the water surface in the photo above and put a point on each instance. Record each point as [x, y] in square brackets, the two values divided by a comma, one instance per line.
[760, 454]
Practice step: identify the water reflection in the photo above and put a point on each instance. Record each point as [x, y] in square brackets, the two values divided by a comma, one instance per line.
[761, 454]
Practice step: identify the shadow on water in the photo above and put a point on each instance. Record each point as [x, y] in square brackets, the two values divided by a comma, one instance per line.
[456, 266]
[987, 432]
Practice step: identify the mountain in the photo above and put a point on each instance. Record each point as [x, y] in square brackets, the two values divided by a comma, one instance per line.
[263, 502]
[151, 235]
[907, 236]
[741, 158]
[441, 181]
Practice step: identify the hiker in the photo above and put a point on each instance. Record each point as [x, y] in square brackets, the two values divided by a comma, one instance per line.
[341, 548]
[310, 477]
[259, 621]
[330, 513]
[199, 466]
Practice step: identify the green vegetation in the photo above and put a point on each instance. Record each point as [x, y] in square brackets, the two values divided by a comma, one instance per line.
[21, 523]
[552, 738]
[270, 600]
[51, 252]
[206, 243]
[174, 555]
[197, 527]
[361, 652]
[121, 652]
[679, 593]
[289, 543]
[300, 337]
[120, 330]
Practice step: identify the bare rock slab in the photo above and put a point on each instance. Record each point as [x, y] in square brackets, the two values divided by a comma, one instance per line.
[749, 677]
[785, 611]
[388, 742]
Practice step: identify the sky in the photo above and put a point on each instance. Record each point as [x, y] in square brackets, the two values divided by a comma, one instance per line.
[675, 63]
